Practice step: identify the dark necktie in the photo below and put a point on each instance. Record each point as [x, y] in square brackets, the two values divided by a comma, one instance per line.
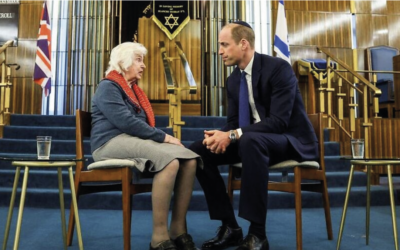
[244, 112]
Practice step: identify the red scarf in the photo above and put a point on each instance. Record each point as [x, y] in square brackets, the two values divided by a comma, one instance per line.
[137, 96]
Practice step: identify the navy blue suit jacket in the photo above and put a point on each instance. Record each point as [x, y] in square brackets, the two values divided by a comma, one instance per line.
[279, 103]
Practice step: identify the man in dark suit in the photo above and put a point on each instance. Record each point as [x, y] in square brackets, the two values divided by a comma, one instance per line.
[271, 126]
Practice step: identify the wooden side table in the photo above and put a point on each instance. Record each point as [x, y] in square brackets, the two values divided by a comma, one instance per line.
[370, 163]
[59, 164]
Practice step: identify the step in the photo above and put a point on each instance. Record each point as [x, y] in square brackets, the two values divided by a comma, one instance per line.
[28, 146]
[68, 133]
[69, 120]
[49, 198]
[195, 121]
[331, 148]
[334, 164]
[42, 120]
[30, 132]
[47, 179]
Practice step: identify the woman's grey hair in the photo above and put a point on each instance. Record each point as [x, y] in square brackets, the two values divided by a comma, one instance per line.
[122, 56]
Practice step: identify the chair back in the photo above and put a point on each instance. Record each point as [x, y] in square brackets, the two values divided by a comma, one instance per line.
[316, 121]
[381, 58]
[83, 128]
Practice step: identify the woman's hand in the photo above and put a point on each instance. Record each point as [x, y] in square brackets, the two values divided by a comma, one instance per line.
[172, 140]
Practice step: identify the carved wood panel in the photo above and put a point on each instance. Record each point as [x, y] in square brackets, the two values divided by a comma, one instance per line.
[153, 81]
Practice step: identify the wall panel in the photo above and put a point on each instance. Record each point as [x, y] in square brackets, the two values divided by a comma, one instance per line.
[364, 31]
[394, 30]
[340, 6]
[378, 7]
[393, 7]
[29, 12]
[318, 28]
[313, 6]
[380, 30]
[24, 55]
[25, 94]
[291, 5]
[362, 7]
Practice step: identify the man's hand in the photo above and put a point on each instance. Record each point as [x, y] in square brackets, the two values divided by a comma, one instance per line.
[216, 141]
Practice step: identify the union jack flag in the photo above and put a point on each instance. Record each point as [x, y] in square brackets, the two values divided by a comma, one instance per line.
[42, 72]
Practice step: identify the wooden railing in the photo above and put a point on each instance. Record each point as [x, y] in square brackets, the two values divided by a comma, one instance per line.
[174, 89]
[349, 85]
[5, 87]
[360, 84]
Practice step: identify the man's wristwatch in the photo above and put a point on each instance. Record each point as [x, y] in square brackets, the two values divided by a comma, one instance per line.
[232, 136]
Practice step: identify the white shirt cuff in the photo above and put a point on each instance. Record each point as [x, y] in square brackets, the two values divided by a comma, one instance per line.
[239, 130]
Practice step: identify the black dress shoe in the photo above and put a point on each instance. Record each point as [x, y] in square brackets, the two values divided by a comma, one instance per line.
[185, 242]
[225, 237]
[252, 242]
[165, 245]
[265, 245]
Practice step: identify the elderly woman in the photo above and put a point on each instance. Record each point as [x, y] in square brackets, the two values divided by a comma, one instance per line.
[123, 127]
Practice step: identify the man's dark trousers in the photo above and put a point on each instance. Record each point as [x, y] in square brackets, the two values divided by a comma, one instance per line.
[256, 151]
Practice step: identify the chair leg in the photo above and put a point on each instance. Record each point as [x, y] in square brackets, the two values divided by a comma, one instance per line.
[297, 194]
[327, 209]
[126, 206]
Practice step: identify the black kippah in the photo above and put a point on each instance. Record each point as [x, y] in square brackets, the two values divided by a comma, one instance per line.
[243, 23]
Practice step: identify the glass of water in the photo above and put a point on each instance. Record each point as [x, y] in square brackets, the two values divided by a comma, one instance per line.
[43, 147]
[357, 148]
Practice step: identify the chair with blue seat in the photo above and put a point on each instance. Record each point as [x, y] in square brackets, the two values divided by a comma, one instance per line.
[304, 176]
[380, 58]
[106, 176]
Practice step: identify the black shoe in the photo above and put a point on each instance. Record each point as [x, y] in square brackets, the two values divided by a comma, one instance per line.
[265, 245]
[165, 245]
[252, 242]
[225, 237]
[185, 242]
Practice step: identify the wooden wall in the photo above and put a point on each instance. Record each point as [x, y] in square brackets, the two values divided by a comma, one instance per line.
[310, 24]
[26, 96]
[328, 24]
[377, 24]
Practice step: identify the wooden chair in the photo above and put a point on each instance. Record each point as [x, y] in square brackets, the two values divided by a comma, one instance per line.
[108, 175]
[308, 170]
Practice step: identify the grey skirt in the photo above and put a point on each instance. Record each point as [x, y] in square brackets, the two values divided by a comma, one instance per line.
[151, 156]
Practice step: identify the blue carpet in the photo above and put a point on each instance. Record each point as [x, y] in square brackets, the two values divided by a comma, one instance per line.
[102, 229]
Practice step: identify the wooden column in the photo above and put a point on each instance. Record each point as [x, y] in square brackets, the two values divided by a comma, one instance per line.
[396, 67]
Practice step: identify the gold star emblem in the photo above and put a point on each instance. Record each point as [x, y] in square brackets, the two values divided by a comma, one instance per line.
[174, 19]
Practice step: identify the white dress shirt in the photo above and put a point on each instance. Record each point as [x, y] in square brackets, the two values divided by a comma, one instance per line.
[254, 112]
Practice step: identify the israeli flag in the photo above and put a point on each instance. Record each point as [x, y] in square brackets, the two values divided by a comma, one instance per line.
[281, 42]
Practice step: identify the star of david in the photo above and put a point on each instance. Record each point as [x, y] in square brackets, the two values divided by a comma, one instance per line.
[171, 25]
